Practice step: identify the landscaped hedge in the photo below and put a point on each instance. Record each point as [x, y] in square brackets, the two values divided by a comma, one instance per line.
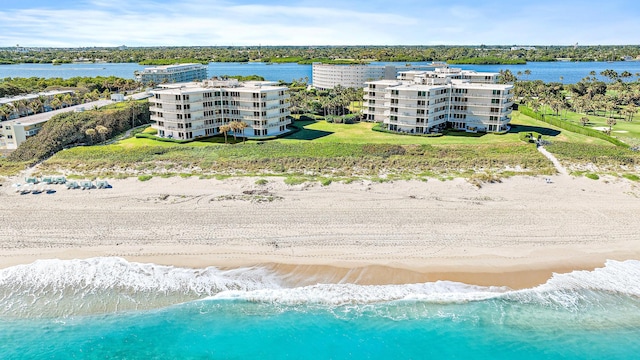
[157, 138]
[571, 127]
[378, 127]
[524, 136]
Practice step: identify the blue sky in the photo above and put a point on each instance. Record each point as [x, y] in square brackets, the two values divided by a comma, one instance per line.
[68, 23]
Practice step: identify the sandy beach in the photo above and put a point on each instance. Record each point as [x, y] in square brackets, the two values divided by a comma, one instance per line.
[515, 233]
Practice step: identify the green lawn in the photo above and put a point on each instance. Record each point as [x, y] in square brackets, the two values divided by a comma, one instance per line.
[361, 133]
[340, 150]
[627, 131]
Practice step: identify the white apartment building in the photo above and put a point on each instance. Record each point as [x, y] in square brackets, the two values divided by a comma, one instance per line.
[198, 109]
[172, 74]
[427, 101]
[328, 76]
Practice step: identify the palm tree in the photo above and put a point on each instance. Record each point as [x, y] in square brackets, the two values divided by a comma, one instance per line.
[36, 106]
[55, 103]
[630, 110]
[611, 122]
[91, 133]
[103, 131]
[5, 112]
[234, 127]
[241, 126]
[225, 129]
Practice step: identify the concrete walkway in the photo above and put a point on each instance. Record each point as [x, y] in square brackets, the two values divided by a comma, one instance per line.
[554, 160]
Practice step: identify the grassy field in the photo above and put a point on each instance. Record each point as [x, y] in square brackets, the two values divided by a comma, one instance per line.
[361, 133]
[339, 152]
[627, 131]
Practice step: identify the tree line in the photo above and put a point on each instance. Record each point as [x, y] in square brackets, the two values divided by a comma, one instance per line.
[617, 98]
[206, 54]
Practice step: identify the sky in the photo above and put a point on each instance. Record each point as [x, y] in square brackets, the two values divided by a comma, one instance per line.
[79, 23]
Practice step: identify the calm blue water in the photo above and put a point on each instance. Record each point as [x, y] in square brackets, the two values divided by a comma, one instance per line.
[109, 308]
[546, 71]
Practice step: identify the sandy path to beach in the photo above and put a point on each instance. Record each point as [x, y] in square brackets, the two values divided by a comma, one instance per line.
[513, 233]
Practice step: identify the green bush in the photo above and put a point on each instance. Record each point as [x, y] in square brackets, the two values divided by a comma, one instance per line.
[632, 177]
[261, 182]
[144, 177]
[592, 176]
[293, 180]
[378, 127]
[528, 136]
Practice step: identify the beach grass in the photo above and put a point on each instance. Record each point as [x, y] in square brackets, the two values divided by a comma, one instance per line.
[338, 151]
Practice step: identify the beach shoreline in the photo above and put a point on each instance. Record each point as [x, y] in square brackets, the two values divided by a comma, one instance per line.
[516, 233]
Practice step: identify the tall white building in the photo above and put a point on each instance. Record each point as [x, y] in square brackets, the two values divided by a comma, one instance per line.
[198, 109]
[328, 76]
[172, 74]
[428, 101]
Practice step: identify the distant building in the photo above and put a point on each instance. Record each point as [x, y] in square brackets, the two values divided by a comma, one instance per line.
[328, 76]
[172, 74]
[15, 132]
[117, 97]
[198, 109]
[526, 48]
[46, 97]
[428, 101]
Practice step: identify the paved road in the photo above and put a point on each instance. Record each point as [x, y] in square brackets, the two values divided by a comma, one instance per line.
[45, 116]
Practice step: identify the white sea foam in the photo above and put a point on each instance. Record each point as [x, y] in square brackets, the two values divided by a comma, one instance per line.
[342, 294]
[571, 290]
[60, 288]
[101, 285]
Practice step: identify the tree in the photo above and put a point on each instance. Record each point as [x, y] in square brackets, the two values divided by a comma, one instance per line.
[91, 133]
[103, 131]
[5, 112]
[630, 110]
[611, 122]
[241, 126]
[584, 121]
[225, 129]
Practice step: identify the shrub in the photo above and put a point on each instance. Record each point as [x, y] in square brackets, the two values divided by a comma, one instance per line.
[144, 177]
[325, 182]
[261, 182]
[292, 180]
[632, 177]
[592, 176]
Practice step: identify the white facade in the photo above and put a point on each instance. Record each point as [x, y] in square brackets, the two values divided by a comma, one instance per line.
[193, 110]
[328, 76]
[172, 74]
[424, 102]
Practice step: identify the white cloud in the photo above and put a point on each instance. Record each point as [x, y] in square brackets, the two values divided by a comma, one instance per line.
[237, 22]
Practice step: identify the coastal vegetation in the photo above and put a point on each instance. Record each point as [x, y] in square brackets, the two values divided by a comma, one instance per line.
[80, 128]
[101, 84]
[307, 54]
[487, 61]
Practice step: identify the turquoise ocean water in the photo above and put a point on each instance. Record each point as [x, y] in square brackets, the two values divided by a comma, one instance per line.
[106, 308]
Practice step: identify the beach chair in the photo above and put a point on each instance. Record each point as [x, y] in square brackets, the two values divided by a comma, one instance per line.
[102, 184]
[72, 185]
[47, 180]
[86, 185]
[31, 180]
